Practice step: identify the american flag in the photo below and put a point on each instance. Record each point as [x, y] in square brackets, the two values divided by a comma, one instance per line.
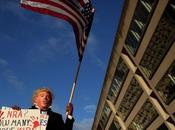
[79, 13]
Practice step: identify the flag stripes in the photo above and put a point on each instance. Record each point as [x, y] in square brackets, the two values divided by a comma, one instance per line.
[71, 11]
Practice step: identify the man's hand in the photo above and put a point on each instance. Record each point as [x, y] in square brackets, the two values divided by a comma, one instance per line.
[69, 109]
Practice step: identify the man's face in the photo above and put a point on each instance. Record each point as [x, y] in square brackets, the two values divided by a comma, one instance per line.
[43, 100]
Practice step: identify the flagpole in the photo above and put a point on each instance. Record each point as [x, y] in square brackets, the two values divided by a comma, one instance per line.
[75, 81]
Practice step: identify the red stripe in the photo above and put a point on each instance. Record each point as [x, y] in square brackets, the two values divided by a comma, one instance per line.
[81, 2]
[59, 6]
[77, 10]
[58, 15]
[72, 5]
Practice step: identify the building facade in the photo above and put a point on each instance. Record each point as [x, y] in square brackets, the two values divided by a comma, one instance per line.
[138, 92]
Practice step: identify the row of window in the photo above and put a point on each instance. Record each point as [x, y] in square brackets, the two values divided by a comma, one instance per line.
[104, 117]
[144, 117]
[114, 125]
[139, 23]
[165, 88]
[130, 99]
[118, 80]
[159, 45]
[161, 40]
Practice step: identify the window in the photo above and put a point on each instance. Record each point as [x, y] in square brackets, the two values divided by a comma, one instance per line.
[99, 127]
[130, 98]
[166, 86]
[160, 42]
[119, 78]
[163, 127]
[138, 25]
[144, 118]
[114, 126]
[105, 115]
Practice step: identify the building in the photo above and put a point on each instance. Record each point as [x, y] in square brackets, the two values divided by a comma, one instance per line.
[138, 92]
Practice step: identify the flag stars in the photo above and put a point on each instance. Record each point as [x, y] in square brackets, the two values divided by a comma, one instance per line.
[87, 11]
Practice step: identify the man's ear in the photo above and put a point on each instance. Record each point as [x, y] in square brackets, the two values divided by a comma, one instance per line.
[34, 101]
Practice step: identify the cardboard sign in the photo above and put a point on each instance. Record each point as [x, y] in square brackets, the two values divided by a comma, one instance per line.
[24, 119]
[43, 121]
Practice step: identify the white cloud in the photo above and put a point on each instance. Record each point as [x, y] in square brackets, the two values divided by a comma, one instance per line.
[85, 124]
[92, 43]
[60, 24]
[6, 38]
[12, 78]
[9, 75]
[90, 108]
[98, 61]
[3, 63]
[93, 48]
[51, 49]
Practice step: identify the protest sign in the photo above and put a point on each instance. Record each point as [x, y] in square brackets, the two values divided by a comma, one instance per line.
[43, 121]
[24, 119]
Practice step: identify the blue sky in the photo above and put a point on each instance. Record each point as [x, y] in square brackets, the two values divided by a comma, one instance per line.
[38, 50]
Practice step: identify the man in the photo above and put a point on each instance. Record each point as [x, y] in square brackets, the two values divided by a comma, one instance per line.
[42, 99]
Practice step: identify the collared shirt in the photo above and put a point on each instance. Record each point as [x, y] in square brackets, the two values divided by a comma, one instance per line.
[45, 112]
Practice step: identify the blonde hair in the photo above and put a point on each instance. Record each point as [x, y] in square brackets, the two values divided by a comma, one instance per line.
[43, 89]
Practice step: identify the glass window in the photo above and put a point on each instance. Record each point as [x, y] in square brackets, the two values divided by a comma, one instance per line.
[119, 78]
[166, 86]
[160, 42]
[114, 126]
[163, 127]
[144, 118]
[130, 98]
[99, 127]
[105, 115]
[138, 25]
[131, 43]
[147, 4]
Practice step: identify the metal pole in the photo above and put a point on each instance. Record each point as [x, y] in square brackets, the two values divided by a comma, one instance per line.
[74, 83]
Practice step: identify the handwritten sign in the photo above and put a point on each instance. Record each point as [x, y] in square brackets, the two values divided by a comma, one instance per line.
[24, 119]
[43, 121]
